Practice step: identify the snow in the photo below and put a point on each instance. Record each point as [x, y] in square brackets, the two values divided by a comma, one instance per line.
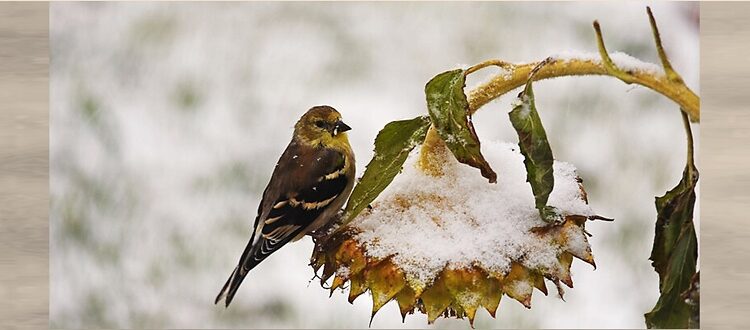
[630, 63]
[525, 106]
[521, 286]
[342, 271]
[460, 220]
[622, 60]
[568, 55]
[576, 241]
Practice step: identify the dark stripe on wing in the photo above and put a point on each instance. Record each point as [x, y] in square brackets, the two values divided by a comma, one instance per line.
[307, 205]
[289, 214]
[324, 189]
[269, 246]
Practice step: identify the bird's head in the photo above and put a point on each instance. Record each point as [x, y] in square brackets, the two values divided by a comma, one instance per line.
[322, 125]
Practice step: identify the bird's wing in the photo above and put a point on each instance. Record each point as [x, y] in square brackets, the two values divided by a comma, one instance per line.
[303, 185]
[312, 181]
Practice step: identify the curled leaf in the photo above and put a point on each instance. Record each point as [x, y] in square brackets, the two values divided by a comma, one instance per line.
[532, 140]
[675, 250]
[449, 111]
[674, 254]
[392, 145]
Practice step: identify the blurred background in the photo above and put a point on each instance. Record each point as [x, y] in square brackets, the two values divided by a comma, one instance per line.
[166, 121]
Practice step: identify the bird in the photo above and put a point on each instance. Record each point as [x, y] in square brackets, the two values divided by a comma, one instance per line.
[309, 185]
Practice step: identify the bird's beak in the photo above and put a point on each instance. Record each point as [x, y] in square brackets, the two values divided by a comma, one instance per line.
[341, 127]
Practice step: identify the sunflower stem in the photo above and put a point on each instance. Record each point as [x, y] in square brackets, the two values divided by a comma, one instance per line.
[669, 84]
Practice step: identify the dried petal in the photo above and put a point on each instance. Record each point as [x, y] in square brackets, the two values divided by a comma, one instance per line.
[352, 256]
[464, 286]
[436, 299]
[565, 260]
[384, 281]
[492, 295]
[338, 281]
[406, 299]
[517, 284]
[538, 281]
[357, 287]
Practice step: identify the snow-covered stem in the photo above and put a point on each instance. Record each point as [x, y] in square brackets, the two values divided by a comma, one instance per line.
[507, 81]
[434, 153]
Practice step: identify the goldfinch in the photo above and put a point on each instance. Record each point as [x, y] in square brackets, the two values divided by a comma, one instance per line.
[311, 181]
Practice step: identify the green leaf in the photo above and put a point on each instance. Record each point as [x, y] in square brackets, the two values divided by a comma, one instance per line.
[532, 139]
[675, 252]
[392, 145]
[449, 111]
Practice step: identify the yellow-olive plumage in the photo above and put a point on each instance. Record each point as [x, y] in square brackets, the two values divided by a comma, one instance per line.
[311, 182]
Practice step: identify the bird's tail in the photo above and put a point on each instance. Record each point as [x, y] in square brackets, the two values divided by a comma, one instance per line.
[233, 283]
[230, 288]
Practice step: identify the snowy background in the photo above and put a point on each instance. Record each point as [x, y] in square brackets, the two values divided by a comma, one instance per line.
[166, 121]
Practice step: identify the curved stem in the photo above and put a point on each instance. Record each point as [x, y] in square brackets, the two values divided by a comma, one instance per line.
[504, 83]
[690, 160]
[485, 64]
[671, 73]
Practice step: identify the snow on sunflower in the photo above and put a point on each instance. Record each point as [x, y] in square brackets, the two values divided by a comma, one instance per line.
[448, 244]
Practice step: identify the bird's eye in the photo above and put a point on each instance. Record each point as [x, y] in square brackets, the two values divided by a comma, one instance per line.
[320, 124]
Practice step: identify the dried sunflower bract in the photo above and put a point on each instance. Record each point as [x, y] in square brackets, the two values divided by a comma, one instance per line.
[450, 244]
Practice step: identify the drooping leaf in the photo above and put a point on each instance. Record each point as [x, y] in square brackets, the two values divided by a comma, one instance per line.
[392, 146]
[537, 154]
[675, 252]
[449, 110]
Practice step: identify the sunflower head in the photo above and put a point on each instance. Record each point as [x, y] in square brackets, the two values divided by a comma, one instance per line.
[451, 244]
